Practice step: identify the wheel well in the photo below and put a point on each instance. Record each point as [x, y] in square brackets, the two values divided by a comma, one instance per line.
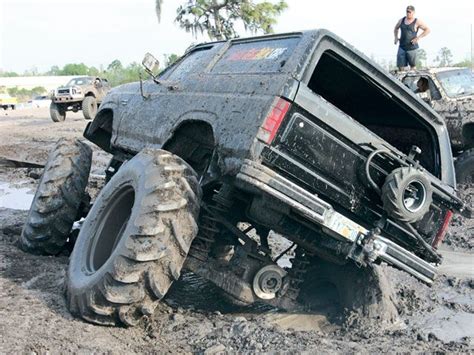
[90, 93]
[100, 130]
[194, 142]
[468, 135]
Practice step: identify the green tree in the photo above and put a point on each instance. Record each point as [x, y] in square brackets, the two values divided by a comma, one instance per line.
[75, 69]
[115, 65]
[218, 17]
[466, 63]
[444, 57]
[170, 59]
[93, 71]
[420, 58]
[8, 74]
[54, 70]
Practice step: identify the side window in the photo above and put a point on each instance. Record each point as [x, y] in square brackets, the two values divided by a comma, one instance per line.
[435, 94]
[410, 82]
[191, 62]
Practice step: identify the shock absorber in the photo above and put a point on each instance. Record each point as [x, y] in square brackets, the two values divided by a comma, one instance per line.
[209, 226]
[297, 272]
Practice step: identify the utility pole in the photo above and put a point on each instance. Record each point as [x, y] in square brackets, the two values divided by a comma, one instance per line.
[472, 52]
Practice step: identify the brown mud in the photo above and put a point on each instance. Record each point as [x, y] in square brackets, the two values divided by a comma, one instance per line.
[194, 316]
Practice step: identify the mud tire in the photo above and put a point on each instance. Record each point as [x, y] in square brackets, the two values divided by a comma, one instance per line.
[464, 167]
[363, 293]
[57, 112]
[89, 107]
[393, 194]
[146, 249]
[58, 198]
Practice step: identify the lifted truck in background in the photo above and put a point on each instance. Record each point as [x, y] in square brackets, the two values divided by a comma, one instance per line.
[450, 92]
[81, 93]
[297, 133]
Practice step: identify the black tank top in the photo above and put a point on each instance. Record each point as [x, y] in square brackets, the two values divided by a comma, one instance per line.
[408, 33]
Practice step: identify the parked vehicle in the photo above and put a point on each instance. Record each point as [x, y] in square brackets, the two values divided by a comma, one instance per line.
[6, 102]
[40, 101]
[294, 133]
[450, 92]
[82, 93]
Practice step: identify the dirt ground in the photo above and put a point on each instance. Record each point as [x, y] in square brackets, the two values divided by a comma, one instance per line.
[193, 318]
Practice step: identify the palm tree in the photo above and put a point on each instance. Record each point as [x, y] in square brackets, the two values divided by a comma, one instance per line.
[158, 4]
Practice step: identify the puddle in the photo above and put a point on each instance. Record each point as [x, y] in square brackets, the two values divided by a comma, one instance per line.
[449, 325]
[18, 198]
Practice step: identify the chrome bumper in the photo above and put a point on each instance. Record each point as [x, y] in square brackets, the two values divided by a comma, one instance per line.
[254, 176]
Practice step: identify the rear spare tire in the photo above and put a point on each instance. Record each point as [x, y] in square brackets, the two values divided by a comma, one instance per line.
[464, 167]
[407, 194]
[134, 241]
[58, 198]
[89, 107]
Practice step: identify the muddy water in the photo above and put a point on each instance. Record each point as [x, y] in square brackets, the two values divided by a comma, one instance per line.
[17, 198]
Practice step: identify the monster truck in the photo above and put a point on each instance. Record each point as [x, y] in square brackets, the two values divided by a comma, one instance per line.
[450, 92]
[82, 93]
[297, 133]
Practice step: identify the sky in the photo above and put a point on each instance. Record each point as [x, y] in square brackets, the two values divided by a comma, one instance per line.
[37, 34]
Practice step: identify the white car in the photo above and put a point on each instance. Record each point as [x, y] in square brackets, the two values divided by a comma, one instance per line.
[40, 101]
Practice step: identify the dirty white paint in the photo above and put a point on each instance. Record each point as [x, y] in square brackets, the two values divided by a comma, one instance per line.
[15, 198]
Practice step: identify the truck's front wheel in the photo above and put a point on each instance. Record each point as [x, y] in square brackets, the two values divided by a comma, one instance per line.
[58, 198]
[89, 107]
[57, 112]
[135, 239]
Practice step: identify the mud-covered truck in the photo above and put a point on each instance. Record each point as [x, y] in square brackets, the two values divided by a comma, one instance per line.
[297, 134]
[450, 92]
[82, 93]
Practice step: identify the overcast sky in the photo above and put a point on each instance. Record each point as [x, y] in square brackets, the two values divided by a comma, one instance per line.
[42, 33]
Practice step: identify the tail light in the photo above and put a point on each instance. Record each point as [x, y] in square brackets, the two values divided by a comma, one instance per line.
[273, 120]
[442, 231]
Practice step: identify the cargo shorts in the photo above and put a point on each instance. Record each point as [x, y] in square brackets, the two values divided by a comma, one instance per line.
[406, 58]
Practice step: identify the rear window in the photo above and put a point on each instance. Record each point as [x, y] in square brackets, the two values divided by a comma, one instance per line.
[267, 56]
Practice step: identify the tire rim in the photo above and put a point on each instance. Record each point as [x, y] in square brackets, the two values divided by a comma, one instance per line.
[414, 196]
[113, 221]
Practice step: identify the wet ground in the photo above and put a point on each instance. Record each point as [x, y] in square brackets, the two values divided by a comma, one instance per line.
[194, 317]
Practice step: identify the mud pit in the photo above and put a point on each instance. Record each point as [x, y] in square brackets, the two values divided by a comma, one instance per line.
[194, 317]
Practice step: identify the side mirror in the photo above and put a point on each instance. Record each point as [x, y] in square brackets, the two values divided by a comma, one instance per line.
[151, 64]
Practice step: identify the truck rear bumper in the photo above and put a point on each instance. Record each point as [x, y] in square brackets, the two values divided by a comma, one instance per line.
[256, 176]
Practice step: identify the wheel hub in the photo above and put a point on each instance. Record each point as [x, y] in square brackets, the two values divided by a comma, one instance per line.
[268, 281]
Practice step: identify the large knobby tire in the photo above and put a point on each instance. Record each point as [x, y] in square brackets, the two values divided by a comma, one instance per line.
[135, 239]
[364, 291]
[464, 167]
[89, 107]
[57, 112]
[407, 194]
[58, 198]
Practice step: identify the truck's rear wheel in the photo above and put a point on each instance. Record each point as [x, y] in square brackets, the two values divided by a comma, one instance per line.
[58, 198]
[364, 291]
[89, 107]
[135, 239]
[464, 167]
[57, 112]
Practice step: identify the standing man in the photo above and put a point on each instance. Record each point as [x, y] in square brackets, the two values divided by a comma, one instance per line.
[409, 26]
